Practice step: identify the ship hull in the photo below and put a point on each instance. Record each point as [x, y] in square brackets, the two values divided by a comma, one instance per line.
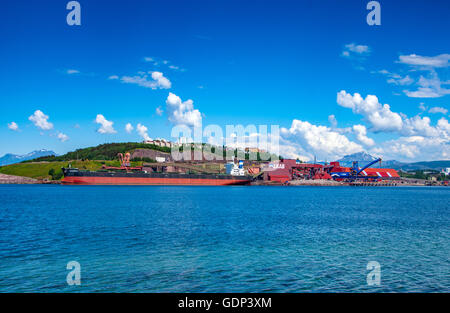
[93, 178]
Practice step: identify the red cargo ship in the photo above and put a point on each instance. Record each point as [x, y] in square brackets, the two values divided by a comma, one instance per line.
[73, 176]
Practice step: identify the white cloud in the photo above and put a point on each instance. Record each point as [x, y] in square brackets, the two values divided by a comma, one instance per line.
[417, 60]
[438, 110]
[444, 127]
[333, 121]
[354, 48]
[106, 126]
[395, 79]
[40, 120]
[418, 125]
[159, 111]
[430, 87]
[182, 113]
[13, 126]
[415, 148]
[129, 128]
[361, 135]
[419, 139]
[380, 117]
[310, 140]
[113, 77]
[148, 59]
[72, 71]
[143, 132]
[422, 93]
[401, 81]
[63, 137]
[157, 81]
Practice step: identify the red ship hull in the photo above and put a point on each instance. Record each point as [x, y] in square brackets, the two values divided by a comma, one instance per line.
[86, 180]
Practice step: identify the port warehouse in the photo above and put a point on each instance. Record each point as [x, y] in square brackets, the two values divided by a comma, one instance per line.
[287, 169]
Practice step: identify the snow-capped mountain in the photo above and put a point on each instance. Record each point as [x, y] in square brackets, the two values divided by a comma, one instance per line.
[10, 158]
[362, 157]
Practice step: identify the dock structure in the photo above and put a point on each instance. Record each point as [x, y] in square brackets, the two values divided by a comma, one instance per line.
[287, 170]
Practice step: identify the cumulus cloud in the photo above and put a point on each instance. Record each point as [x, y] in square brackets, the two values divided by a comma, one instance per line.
[113, 77]
[380, 117]
[13, 126]
[318, 140]
[418, 60]
[361, 135]
[155, 81]
[159, 111]
[143, 132]
[129, 128]
[63, 137]
[418, 125]
[419, 139]
[182, 113]
[414, 148]
[40, 120]
[106, 127]
[438, 110]
[444, 126]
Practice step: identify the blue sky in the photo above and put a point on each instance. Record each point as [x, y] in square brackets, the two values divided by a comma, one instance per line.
[289, 63]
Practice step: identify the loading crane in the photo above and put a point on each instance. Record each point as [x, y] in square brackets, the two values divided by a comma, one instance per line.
[354, 174]
[125, 164]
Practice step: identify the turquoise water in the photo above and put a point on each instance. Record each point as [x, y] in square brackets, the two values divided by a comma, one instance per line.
[224, 239]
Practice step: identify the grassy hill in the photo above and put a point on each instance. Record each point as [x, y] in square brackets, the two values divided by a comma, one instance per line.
[102, 152]
[52, 170]
[109, 152]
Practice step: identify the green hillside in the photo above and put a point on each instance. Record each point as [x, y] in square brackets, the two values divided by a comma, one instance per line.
[102, 152]
[109, 152]
[52, 170]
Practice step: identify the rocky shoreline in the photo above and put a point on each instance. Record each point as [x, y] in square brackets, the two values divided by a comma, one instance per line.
[20, 180]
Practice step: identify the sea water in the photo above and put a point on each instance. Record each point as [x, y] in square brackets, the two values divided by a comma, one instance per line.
[224, 239]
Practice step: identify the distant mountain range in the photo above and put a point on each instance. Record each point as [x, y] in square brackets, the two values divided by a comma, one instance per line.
[364, 158]
[10, 158]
